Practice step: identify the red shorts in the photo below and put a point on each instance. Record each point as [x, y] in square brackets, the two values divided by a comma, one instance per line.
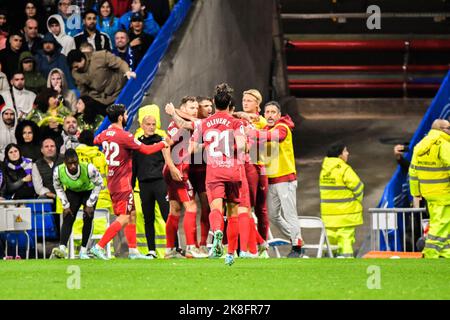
[123, 203]
[197, 177]
[180, 191]
[228, 190]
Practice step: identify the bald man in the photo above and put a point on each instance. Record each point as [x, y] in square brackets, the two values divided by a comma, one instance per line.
[147, 169]
[430, 178]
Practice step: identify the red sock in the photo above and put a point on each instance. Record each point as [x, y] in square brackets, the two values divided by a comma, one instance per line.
[259, 238]
[252, 237]
[204, 226]
[232, 234]
[190, 227]
[244, 229]
[110, 233]
[171, 230]
[216, 220]
[130, 234]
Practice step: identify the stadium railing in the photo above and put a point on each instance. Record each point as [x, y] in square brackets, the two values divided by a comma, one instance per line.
[395, 228]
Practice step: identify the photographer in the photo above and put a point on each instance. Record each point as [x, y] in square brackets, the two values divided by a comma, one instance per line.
[399, 151]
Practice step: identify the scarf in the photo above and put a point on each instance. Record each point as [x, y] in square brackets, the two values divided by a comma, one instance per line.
[26, 165]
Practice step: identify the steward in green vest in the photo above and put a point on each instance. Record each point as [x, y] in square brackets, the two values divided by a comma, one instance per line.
[341, 194]
[76, 184]
[429, 177]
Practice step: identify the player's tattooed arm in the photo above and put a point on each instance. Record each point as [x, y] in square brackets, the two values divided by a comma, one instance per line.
[181, 119]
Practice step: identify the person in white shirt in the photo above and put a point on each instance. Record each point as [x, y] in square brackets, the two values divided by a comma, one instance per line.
[19, 97]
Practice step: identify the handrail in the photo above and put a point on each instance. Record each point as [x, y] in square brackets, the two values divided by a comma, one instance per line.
[355, 45]
[367, 68]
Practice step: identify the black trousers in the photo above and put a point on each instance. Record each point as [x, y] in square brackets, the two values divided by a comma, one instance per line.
[150, 192]
[76, 199]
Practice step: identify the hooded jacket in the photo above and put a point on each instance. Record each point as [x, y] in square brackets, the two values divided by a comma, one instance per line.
[56, 59]
[67, 42]
[102, 77]
[7, 134]
[34, 81]
[70, 98]
[150, 25]
[429, 173]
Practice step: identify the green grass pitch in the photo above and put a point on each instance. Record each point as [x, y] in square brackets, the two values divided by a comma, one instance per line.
[272, 279]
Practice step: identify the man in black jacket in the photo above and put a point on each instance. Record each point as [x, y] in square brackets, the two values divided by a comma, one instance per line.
[99, 40]
[148, 171]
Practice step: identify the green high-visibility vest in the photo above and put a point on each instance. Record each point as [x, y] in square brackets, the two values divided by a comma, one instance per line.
[83, 183]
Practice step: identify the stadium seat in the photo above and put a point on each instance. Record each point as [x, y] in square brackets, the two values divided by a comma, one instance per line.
[307, 222]
[275, 242]
[98, 214]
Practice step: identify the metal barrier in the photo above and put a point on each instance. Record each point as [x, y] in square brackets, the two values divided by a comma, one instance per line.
[385, 222]
[34, 202]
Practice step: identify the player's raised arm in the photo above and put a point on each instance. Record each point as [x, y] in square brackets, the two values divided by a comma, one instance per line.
[181, 119]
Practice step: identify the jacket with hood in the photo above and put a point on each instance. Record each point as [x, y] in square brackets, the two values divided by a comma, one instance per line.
[102, 77]
[7, 134]
[56, 59]
[67, 42]
[341, 194]
[9, 60]
[34, 81]
[150, 25]
[429, 173]
[69, 97]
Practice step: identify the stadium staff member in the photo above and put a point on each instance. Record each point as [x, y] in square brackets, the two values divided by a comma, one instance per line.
[341, 194]
[76, 184]
[429, 177]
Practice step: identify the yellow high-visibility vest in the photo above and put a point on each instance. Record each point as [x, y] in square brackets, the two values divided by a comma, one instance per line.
[280, 156]
[341, 194]
[429, 172]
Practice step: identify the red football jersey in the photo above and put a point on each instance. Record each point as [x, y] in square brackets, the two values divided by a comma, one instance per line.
[218, 133]
[118, 145]
[179, 149]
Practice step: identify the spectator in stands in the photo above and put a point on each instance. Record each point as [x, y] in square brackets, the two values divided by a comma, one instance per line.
[69, 134]
[9, 57]
[57, 81]
[341, 195]
[32, 40]
[4, 29]
[138, 6]
[55, 25]
[28, 139]
[50, 57]
[71, 17]
[34, 80]
[4, 85]
[160, 10]
[86, 47]
[17, 170]
[43, 169]
[139, 40]
[399, 150]
[49, 115]
[123, 50]
[107, 22]
[87, 115]
[19, 97]
[8, 124]
[100, 75]
[99, 40]
[33, 10]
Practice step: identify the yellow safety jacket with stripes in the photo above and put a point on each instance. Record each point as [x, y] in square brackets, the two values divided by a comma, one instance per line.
[429, 172]
[341, 194]
[280, 156]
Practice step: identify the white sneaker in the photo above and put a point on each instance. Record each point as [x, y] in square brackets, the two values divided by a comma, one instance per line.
[58, 253]
[172, 253]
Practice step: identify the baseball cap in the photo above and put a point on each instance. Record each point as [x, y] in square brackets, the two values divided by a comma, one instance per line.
[137, 16]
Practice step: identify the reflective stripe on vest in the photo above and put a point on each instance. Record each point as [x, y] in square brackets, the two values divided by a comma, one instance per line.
[337, 200]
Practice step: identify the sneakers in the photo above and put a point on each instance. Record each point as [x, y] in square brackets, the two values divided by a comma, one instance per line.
[139, 256]
[58, 253]
[152, 254]
[84, 256]
[204, 249]
[172, 253]
[229, 259]
[217, 247]
[247, 255]
[98, 252]
[193, 252]
[263, 251]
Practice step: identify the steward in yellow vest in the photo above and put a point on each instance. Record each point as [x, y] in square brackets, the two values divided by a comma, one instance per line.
[429, 177]
[341, 194]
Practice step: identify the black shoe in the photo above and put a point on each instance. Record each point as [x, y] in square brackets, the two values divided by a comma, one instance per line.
[181, 251]
[296, 252]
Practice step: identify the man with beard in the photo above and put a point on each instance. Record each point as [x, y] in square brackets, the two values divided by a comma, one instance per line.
[90, 34]
[18, 97]
[9, 57]
[70, 134]
[8, 125]
[123, 49]
[50, 57]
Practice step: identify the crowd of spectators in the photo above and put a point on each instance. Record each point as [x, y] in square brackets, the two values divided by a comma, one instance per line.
[62, 62]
